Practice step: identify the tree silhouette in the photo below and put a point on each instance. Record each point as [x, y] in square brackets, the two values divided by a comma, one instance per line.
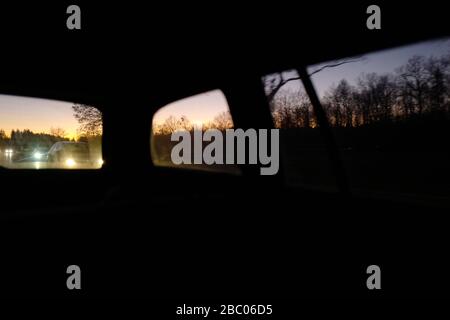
[419, 87]
[172, 124]
[58, 132]
[89, 118]
[413, 78]
[292, 109]
[273, 83]
[222, 121]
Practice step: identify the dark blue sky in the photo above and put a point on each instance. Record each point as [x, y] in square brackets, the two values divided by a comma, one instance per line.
[379, 62]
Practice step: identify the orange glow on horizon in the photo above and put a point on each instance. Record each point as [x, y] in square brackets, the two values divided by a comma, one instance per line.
[37, 115]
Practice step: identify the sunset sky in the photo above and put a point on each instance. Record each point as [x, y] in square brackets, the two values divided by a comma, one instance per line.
[38, 115]
[198, 109]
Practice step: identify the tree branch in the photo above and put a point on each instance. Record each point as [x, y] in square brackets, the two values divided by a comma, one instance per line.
[282, 82]
[335, 65]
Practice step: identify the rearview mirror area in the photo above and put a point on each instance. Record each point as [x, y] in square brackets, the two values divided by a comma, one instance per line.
[192, 117]
[48, 134]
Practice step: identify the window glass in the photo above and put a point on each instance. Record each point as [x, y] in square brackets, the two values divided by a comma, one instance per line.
[194, 115]
[390, 112]
[305, 156]
[48, 134]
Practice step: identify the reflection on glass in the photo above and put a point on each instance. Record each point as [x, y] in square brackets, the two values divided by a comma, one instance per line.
[390, 113]
[47, 134]
[204, 111]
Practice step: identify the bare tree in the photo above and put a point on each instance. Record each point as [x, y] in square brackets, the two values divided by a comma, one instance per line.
[169, 125]
[436, 69]
[339, 101]
[292, 109]
[223, 121]
[412, 78]
[375, 97]
[89, 118]
[419, 87]
[58, 132]
[273, 83]
[184, 124]
[172, 124]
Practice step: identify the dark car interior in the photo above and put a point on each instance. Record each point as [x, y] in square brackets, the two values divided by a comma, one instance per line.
[142, 231]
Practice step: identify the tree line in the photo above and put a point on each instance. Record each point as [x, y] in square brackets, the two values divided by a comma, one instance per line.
[26, 139]
[161, 133]
[221, 121]
[90, 130]
[419, 88]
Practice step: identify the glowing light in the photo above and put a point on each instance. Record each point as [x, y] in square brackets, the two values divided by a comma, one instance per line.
[70, 163]
[37, 155]
[100, 162]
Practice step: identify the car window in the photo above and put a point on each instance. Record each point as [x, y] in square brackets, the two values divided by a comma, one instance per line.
[390, 113]
[47, 134]
[194, 116]
[305, 155]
